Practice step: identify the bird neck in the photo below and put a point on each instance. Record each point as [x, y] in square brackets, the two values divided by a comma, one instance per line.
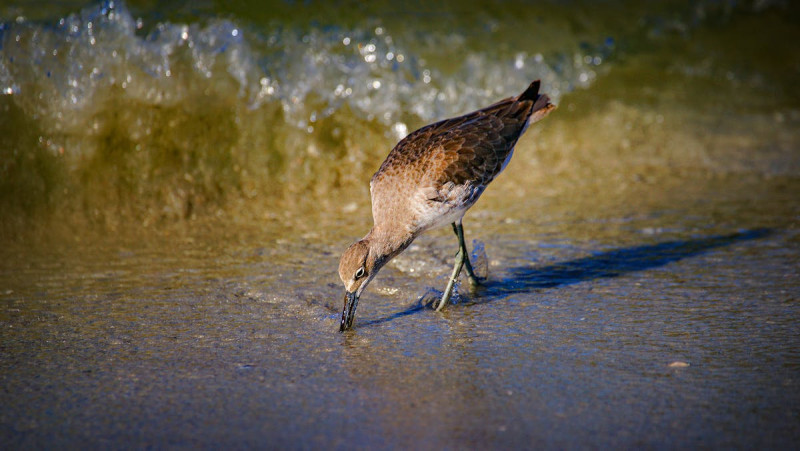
[386, 242]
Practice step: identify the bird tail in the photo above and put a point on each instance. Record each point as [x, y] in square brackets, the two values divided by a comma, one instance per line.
[541, 103]
[532, 93]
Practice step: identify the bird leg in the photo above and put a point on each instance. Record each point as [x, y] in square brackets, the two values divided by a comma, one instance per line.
[462, 259]
[448, 292]
[462, 248]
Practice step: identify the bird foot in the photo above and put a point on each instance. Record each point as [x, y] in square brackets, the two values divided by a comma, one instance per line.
[476, 282]
[439, 303]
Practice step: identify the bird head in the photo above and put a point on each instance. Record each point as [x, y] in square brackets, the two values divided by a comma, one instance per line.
[356, 269]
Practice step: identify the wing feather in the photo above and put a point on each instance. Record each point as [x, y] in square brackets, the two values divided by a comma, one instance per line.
[458, 157]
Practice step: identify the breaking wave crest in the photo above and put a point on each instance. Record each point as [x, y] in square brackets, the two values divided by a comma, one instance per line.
[158, 119]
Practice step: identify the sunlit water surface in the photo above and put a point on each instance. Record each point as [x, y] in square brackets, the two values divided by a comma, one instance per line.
[177, 188]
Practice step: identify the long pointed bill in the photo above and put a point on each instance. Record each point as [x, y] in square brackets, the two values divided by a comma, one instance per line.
[349, 313]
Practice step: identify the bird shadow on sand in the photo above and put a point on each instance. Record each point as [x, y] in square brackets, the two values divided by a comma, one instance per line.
[613, 263]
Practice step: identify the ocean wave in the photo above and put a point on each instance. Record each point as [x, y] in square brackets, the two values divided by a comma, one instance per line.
[124, 110]
[62, 73]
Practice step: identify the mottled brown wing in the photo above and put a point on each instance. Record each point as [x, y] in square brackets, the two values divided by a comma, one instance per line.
[466, 149]
[475, 150]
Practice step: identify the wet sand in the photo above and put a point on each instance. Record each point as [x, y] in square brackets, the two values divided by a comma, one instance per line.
[168, 264]
[647, 327]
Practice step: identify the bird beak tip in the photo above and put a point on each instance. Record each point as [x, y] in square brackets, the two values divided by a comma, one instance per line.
[349, 312]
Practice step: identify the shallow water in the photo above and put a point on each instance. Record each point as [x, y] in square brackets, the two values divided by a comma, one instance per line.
[170, 240]
[571, 342]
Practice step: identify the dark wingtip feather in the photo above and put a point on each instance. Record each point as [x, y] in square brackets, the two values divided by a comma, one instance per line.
[532, 93]
[540, 101]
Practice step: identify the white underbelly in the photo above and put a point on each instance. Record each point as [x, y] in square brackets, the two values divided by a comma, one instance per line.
[433, 214]
[435, 218]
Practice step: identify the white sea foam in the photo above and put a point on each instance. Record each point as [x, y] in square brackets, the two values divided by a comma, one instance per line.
[99, 59]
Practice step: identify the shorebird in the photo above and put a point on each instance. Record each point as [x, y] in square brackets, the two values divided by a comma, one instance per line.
[430, 179]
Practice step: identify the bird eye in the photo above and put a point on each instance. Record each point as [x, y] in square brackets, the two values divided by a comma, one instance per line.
[359, 273]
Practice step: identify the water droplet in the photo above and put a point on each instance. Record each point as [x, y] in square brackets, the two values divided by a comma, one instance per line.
[400, 129]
